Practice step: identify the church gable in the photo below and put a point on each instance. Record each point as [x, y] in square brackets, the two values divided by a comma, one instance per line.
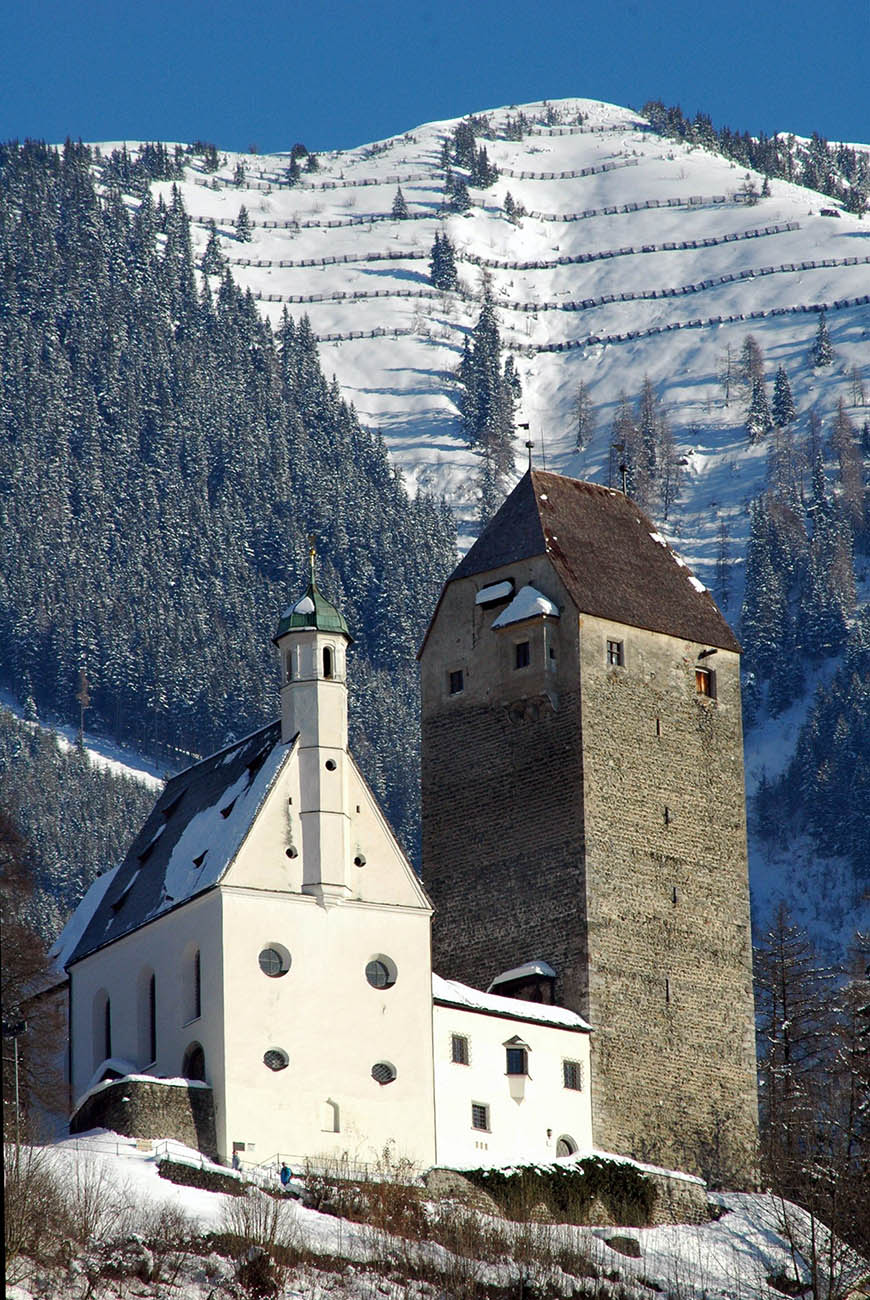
[273, 854]
[193, 833]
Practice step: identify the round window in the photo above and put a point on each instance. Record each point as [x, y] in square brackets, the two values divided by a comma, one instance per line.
[274, 961]
[276, 1059]
[381, 973]
[383, 1072]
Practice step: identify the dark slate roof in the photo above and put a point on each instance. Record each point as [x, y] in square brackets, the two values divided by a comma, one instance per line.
[192, 835]
[609, 555]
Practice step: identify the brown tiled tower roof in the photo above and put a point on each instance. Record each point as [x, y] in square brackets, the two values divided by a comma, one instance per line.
[606, 552]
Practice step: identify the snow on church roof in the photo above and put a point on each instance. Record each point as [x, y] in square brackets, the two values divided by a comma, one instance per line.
[193, 834]
[452, 993]
[527, 603]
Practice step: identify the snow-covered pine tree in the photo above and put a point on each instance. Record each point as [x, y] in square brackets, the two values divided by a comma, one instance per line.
[400, 207]
[822, 353]
[584, 417]
[513, 210]
[459, 199]
[464, 150]
[212, 258]
[758, 418]
[764, 620]
[489, 394]
[722, 579]
[783, 409]
[243, 226]
[442, 263]
[483, 172]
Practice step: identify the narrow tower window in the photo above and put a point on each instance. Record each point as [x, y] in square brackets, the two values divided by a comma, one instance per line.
[107, 1029]
[522, 654]
[456, 681]
[327, 661]
[614, 654]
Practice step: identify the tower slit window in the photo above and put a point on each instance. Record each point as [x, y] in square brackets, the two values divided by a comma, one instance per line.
[327, 662]
[615, 656]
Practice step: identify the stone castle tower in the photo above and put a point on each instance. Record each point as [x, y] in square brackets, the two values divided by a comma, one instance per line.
[584, 809]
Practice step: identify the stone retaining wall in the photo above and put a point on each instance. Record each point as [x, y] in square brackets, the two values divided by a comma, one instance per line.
[143, 1108]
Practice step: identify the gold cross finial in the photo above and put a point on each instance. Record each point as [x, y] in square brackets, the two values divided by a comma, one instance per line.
[312, 554]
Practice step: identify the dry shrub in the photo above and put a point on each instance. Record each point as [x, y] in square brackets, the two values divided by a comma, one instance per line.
[98, 1208]
[169, 1231]
[266, 1237]
[35, 1209]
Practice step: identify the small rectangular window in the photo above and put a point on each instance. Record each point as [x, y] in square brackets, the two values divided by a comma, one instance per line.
[479, 1116]
[459, 1049]
[522, 655]
[705, 682]
[614, 654]
[456, 681]
[517, 1060]
[572, 1075]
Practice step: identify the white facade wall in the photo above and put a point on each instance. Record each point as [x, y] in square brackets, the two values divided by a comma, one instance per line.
[165, 948]
[334, 1027]
[526, 1116]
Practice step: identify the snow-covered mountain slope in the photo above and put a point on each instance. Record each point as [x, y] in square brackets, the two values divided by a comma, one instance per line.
[637, 257]
[614, 211]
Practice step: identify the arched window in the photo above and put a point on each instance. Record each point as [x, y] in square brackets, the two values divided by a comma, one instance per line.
[193, 1066]
[327, 661]
[102, 1027]
[146, 1017]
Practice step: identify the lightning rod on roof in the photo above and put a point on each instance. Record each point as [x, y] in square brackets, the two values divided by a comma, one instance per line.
[528, 443]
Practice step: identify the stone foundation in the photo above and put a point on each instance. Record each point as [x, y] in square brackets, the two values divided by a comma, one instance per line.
[151, 1108]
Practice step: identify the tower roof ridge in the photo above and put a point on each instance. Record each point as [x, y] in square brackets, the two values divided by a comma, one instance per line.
[610, 556]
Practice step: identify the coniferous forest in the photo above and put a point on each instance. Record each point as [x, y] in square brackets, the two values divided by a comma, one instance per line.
[164, 455]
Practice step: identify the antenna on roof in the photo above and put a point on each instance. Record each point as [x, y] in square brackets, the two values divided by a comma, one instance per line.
[528, 443]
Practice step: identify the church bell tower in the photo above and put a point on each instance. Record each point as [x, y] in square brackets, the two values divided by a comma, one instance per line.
[312, 641]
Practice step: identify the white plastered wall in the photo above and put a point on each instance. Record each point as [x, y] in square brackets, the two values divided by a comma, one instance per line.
[527, 1115]
[333, 1025]
[166, 947]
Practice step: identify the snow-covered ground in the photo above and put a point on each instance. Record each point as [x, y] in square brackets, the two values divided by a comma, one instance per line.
[731, 1257]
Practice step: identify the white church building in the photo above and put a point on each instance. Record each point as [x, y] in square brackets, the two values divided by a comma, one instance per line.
[265, 945]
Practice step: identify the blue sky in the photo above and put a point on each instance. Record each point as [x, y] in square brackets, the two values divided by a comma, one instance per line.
[334, 73]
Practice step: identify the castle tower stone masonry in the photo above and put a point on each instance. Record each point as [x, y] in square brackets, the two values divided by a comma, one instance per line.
[583, 804]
